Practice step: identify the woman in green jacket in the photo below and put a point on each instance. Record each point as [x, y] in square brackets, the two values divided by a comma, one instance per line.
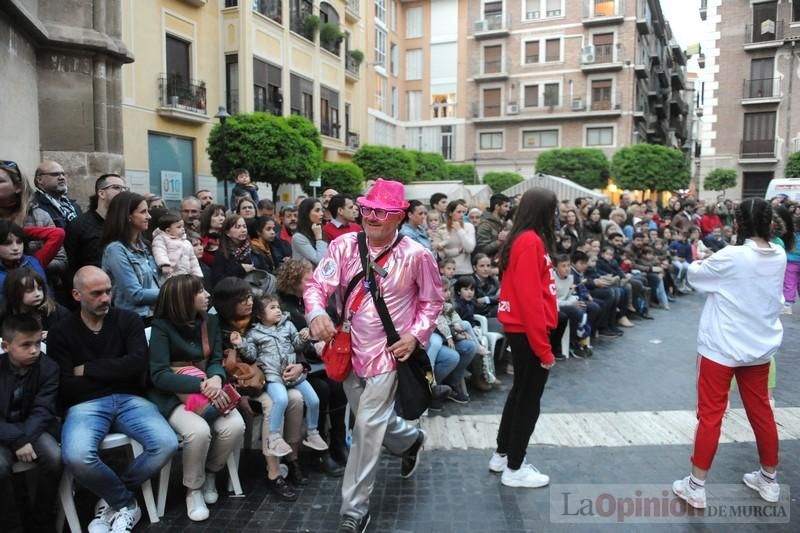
[186, 343]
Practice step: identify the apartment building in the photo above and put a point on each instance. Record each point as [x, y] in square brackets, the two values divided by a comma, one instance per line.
[750, 119]
[276, 56]
[415, 75]
[570, 73]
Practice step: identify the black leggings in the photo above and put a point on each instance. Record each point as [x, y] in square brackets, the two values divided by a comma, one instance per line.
[522, 405]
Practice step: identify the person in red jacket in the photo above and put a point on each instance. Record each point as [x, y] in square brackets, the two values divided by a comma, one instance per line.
[528, 311]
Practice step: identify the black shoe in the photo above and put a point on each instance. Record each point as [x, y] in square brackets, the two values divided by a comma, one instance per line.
[352, 524]
[296, 475]
[330, 467]
[458, 397]
[559, 357]
[647, 316]
[280, 488]
[610, 333]
[410, 458]
[441, 392]
[436, 406]
[576, 352]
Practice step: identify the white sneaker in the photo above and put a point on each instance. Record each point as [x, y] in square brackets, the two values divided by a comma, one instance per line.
[278, 447]
[210, 494]
[772, 403]
[787, 309]
[196, 506]
[314, 441]
[126, 519]
[103, 517]
[498, 463]
[769, 491]
[527, 476]
[694, 497]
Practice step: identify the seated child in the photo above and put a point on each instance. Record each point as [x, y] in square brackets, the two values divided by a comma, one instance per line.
[602, 312]
[12, 251]
[172, 252]
[447, 269]
[25, 292]
[487, 286]
[273, 342]
[29, 388]
[649, 260]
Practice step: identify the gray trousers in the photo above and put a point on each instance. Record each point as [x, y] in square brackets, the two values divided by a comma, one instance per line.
[372, 402]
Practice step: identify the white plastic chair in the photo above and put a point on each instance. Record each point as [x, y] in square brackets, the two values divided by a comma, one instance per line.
[65, 489]
[565, 343]
[491, 336]
[234, 484]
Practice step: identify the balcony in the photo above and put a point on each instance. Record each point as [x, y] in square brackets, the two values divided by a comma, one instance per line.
[182, 99]
[494, 25]
[542, 15]
[299, 25]
[443, 110]
[769, 34]
[351, 68]
[703, 9]
[196, 3]
[643, 17]
[269, 8]
[677, 53]
[641, 65]
[678, 76]
[602, 57]
[758, 151]
[353, 140]
[330, 129]
[494, 70]
[352, 11]
[661, 72]
[602, 12]
[763, 91]
[678, 104]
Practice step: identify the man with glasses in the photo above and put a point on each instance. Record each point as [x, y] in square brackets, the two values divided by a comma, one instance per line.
[85, 232]
[51, 193]
[410, 283]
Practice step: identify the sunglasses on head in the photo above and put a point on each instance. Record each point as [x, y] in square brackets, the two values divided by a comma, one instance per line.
[11, 165]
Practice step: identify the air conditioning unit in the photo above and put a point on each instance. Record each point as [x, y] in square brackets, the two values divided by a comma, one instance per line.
[578, 105]
[512, 109]
[479, 26]
[532, 15]
[587, 55]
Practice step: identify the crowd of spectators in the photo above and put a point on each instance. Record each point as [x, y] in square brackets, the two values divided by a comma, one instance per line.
[140, 307]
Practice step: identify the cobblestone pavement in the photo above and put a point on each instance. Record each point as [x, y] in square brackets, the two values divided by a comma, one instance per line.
[640, 387]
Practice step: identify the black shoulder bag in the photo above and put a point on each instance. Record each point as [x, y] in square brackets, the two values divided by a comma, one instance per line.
[414, 375]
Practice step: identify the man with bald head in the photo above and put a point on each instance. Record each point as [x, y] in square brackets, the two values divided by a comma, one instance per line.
[190, 213]
[103, 358]
[51, 193]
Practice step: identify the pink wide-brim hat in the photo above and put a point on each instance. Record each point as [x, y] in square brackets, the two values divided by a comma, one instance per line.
[385, 194]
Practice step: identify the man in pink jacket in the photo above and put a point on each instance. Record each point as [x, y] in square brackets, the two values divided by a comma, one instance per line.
[412, 290]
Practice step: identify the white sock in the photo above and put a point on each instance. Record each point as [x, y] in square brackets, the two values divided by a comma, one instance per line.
[768, 477]
[696, 483]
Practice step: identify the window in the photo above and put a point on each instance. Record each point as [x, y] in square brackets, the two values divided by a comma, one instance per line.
[603, 8]
[380, 10]
[232, 83]
[444, 105]
[269, 8]
[762, 72]
[532, 52]
[603, 47]
[765, 16]
[414, 22]
[302, 102]
[552, 50]
[381, 88]
[329, 112]
[493, 11]
[395, 103]
[531, 96]
[299, 10]
[532, 140]
[601, 136]
[491, 102]
[795, 10]
[178, 60]
[395, 59]
[267, 87]
[552, 95]
[492, 59]
[758, 139]
[414, 64]
[328, 15]
[601, 95]
[539, 9]
[491, 140]
[446, 138]
[414, 108]
[380, 48]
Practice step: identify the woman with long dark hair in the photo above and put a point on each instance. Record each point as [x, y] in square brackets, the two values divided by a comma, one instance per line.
[235, 256]
[739, 332]
[126, 256]
[211, 221]
[527, 309]
[307, 241]
[456, 239]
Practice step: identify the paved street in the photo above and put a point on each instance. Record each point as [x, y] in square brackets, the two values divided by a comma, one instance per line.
[623, 417]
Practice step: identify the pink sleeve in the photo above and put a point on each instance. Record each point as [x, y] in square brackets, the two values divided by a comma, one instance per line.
[325, 281]
[430, 299]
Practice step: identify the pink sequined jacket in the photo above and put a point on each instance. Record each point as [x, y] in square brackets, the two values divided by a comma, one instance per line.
[412, 289]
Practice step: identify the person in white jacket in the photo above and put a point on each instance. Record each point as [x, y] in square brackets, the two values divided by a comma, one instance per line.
[172, 250]
[456, 238]
[739, 332]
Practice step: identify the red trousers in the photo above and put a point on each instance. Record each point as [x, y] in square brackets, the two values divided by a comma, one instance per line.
[713, 386]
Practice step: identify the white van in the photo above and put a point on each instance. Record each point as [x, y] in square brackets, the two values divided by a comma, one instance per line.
[788, 186]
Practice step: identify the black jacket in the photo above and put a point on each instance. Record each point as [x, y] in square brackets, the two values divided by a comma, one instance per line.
[55, 213]
[489, 288]
[115, 360]
[40, 390]
[83, 240]
[230, 266]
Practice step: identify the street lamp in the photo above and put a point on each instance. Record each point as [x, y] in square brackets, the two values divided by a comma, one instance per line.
[223, 115]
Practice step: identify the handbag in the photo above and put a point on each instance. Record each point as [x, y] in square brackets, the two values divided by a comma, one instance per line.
[414, 375]
[338, 351]
[247, 378]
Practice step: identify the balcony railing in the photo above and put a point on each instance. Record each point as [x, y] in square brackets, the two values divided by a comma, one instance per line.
[353, 140]
[353, 10]
[352, 66]
[443, 110]
[492, 23]
[231, 3]
[329, 129]
[299, 26]
[759, 149]
[762, 88]
[185, 95]
[600, 9]
[269, 8]
[765, 32]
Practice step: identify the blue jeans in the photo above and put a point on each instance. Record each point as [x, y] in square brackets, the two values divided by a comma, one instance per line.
[443, 359]
[280, 400]
[681, 270]
[88, 423]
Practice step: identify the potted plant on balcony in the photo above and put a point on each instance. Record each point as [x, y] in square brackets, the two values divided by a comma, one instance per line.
[357, 56]
[330, 36]
[311, 25]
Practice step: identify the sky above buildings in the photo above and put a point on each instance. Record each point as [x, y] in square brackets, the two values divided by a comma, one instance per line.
[684, 19]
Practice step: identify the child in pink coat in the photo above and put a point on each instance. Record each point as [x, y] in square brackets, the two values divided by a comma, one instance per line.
[172, 251]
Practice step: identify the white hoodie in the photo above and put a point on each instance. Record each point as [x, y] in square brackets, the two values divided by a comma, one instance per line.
[740, 324]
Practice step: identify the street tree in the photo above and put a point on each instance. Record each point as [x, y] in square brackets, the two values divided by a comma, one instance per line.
[720, 179]
[650, 167]
[386, 162]
[463, 172]
[267, 146]
[792, 169]
[587, 167]
[342, 177]
[500, 181]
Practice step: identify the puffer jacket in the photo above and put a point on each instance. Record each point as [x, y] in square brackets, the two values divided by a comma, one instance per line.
[175, 252]
[274, 348]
